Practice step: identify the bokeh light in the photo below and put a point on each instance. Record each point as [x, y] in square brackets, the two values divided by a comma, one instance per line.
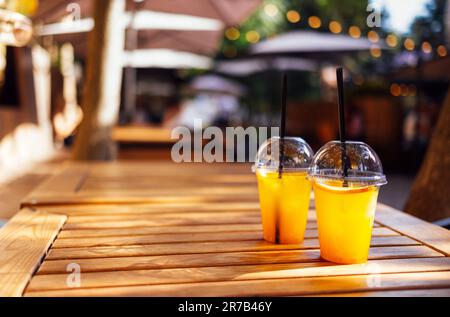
[271, 10]
[293, 16]
[375, 51]
[314, 22]
[426, 47]
[392, 40]
[442, 51]
[373, 36]
[354, 32]
[253, 36]
[232, 34]
[335, 27]
[404, 91]
[395, 90]
[409, 44]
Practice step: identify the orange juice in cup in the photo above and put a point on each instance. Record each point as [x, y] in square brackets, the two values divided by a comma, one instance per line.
[284, 192]
[346, 205]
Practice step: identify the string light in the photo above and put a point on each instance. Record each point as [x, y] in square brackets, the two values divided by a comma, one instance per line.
[314, 22]
[232, 34]
[392, 40]
[442, 51]
[271, 10]
[404, 90]
[253, 36]
[373, 36]
[426, 47]
[354, 32]
[395, 90]
[293, 16]
[375, 51]
[409, 44]
[335, 27]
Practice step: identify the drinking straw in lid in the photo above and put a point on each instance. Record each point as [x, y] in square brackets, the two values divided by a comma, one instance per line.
[342, 123]
[283, 125]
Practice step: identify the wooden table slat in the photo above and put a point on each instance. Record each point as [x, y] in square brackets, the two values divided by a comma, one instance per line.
[224, 230]
[237, 273]
[221, 259]
[431, 235]
[165, 229]
[24, 242]
[205, 237]
[275, 287]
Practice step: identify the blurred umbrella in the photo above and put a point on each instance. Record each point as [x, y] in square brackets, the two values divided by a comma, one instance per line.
[191, 26]
[165, 58]
[311, 44]
[217, 84]
[51, 11]
[204, 43]
[250, 66]
[231, 12]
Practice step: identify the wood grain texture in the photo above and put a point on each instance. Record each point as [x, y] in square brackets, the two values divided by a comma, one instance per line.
[161, 221]
[427, 292]
[149, 209]
[24, 241]
[429, 234]
[162, 229]
[104, 183]
[239, 273]
[309, 242]
[223, 230]
[273, 287]
[220, 259]
[201, 248]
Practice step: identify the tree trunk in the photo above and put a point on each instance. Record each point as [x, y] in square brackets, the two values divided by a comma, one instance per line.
[103, 84]
[430, 195]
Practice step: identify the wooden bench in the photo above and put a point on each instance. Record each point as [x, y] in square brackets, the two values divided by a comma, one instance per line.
[162, 229]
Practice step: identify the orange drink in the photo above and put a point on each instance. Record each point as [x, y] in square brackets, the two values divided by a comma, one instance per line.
[284, 188]
[345, 217]
[284, 206]
[346, 178]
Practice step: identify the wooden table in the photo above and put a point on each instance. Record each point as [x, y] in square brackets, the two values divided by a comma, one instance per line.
[162, 229]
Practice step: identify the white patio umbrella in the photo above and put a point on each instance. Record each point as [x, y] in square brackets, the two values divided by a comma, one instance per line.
[250, 66]
[165, 58]
[311, 43]
[218, 84]
[191, 26]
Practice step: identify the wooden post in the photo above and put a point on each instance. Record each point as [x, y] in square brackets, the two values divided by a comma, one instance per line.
[102, 87]
[430, 198]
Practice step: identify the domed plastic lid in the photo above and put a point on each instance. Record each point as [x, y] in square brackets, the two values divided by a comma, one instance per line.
[363, 164]
[297, 155]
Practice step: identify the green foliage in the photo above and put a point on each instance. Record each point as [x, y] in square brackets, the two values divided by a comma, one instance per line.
[346, 12]
[431, 26]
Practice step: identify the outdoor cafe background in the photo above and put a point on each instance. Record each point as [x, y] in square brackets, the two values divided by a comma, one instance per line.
[222, 61]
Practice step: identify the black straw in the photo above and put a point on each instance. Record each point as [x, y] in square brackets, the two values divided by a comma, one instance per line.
[283, 124]
[342, 123]
[282, 137]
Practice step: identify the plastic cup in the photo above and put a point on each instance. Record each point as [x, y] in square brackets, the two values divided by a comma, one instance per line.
[346, 203]
[284, 196]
